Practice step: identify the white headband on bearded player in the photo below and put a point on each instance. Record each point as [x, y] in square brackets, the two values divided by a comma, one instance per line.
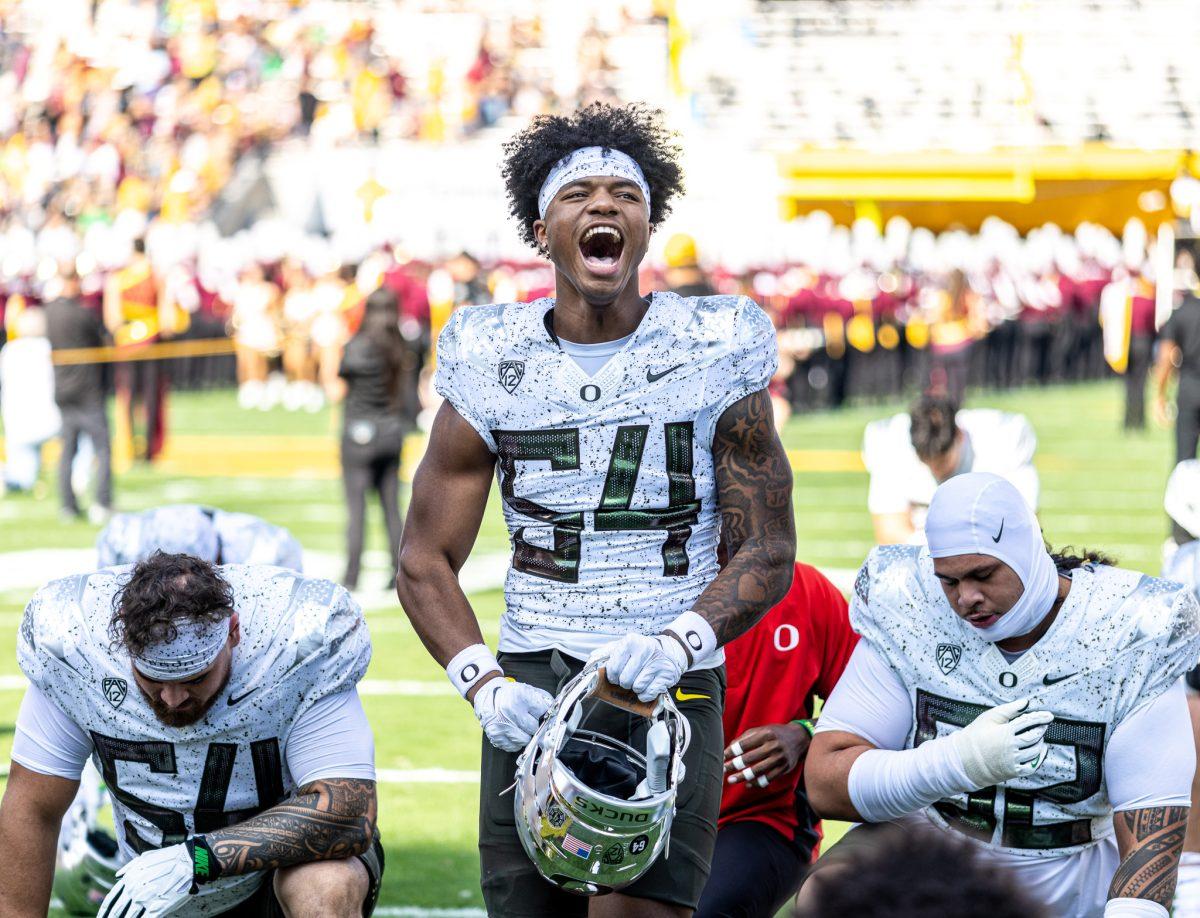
[978, 513]
[191, 652]
[587, 162]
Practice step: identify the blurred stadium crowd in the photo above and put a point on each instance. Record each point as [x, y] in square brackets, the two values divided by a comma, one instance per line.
[134, 132]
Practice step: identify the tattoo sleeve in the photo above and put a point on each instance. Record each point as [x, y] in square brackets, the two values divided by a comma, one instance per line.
[322, 821]
[1150, 841]
[758, 535]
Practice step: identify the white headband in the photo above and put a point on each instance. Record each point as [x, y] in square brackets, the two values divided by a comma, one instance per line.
[587, 162]
[978, 513]
[193, 650]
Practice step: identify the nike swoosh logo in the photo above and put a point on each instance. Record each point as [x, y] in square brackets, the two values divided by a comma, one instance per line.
[1046, 680]
[235, 699]
[996, 537]
[651, 376]
[681, 695]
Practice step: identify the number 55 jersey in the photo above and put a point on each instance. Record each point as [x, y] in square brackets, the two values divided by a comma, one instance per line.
[302, 641]
[607, 480]
[1120, 641]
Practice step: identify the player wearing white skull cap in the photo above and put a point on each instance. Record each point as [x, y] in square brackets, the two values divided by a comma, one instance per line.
[1011, 697]
[214, 535]
[220, 706]
[630, 435]
[909, 455]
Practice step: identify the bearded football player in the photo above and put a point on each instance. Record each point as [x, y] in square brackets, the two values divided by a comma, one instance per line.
[1030, 702]
[630, 434]
[220, 705]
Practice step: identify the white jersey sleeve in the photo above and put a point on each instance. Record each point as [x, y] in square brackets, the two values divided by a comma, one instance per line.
[246, 539]
[463, 372]
[46, 740]
[332, 739]
[1135, 779]
[118, 541]
[747, 366]
[870, 701]
[1184, 566]
[889, 457]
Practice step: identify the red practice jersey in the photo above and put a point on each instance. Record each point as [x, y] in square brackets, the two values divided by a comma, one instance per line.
[797, 651]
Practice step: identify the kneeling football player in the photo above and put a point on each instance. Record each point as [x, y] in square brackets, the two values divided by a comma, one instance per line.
[1031, 702]
[220, 705]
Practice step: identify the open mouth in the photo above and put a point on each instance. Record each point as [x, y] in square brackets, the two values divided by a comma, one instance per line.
[601, 248]
[982, 620]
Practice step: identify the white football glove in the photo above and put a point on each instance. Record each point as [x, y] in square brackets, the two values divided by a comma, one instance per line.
[150, 885]
[509, 712]
[647, 664]
[1003, 743]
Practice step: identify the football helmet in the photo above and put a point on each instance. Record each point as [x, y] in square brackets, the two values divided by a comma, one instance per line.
[592, 812]
[86, 871]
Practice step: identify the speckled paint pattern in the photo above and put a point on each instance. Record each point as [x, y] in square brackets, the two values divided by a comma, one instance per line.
[1121, 638]
[608, 485]
[302, 639]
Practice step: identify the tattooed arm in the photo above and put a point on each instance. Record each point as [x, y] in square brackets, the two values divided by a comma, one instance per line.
[323, 821]
[758, 535]
[1150, 841]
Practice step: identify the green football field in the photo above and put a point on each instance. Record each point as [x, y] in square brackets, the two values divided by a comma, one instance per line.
[1100, 489]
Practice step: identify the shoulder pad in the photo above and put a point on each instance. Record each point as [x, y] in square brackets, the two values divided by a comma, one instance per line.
[891, 579]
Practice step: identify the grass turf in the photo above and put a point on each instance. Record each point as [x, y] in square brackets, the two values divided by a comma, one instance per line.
[1100, 489]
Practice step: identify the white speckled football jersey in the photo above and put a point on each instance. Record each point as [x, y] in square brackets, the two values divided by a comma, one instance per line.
[607, 480]
[1184, 565]
[301, 640]
[241, 537]
[1121, 638]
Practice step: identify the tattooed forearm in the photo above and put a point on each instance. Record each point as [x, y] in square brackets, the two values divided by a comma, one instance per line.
[1150, 841]
[758, 535]
[322, 821]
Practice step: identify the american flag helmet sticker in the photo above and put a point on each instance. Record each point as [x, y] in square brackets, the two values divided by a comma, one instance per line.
[576, 847]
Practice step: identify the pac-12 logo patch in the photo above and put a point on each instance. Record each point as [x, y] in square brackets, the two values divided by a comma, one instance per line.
[115, 690]
[948, 656]
[511, 374]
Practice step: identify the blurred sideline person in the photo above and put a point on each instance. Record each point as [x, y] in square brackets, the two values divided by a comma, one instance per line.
[137, 313]
[216, 536]
[919, 874]
[79, 393]
[221, 706]
[683, 273]
[632, 435]
[1014, 696]
[767, 833]
[909, 455]
[1181, 563]
[1179, 354]
[373, 426]
[27, 405]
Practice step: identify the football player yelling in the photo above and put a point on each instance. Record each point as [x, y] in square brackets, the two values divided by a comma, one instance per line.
[629, 434]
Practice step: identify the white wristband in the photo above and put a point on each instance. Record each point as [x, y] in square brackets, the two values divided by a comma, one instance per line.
[1134, 908]
[696, 635]
[470, 665]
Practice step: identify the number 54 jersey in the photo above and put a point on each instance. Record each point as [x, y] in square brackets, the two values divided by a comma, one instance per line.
[1120, 640]
[302, 639]
[607, 480]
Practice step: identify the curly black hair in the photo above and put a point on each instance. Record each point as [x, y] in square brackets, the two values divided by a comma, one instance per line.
[918, 873]
[635, 130]
[1069, 557]
[162, 589]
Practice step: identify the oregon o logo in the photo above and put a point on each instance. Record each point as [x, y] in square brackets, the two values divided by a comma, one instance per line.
[590, 393]
[786, 637]
[696, 642]
[470, 671]
[1007, 679]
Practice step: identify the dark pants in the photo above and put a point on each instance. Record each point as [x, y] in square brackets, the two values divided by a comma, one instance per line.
[374, 467]
[755, 871]
[91, 421]
[144, 381]
[1187, 433]
[1141, 351]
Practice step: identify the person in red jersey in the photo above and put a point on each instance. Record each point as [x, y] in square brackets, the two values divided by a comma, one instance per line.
[766, 832]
